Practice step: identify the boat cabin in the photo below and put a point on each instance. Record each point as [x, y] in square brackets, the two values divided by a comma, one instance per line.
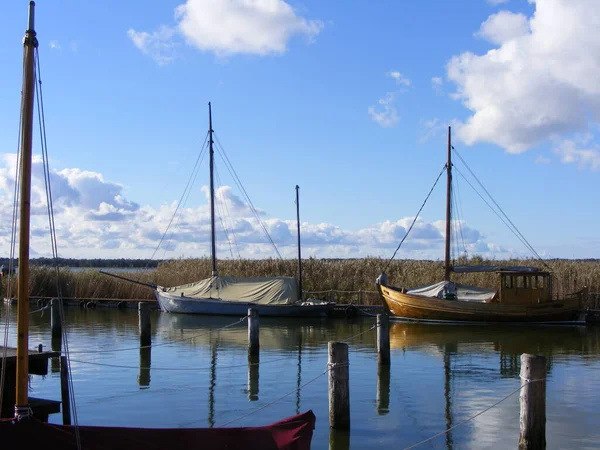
[525, 288]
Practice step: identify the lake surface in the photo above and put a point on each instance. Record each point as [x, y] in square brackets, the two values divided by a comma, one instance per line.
[440, 376]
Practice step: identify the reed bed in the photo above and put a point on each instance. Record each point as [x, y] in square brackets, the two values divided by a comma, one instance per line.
[341, 280]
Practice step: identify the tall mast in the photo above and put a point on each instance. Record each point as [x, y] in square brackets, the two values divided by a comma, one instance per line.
[447, 266]
[213, 248]
[29, 45]
[299, 248]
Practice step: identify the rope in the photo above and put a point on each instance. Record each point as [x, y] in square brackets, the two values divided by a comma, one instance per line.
[358, 334]
[183, 197]
[237, 180]
[41, 309]
[472, 417]
[164, 343]
[415, 219]
[198, 369]
[46, 160]
[513, 227]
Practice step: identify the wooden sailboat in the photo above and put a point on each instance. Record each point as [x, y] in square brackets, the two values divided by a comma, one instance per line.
[226, 295]
[523, 294]
[24, 431]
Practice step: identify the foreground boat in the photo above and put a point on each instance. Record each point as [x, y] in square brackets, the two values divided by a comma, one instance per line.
[293, 433]
[24, 431]
[523, 294]
[219, 295]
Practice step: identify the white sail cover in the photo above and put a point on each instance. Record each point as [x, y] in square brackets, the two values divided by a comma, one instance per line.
[462, 291]
[262, 291]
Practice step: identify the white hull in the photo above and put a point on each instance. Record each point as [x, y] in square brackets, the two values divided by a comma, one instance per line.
[216, 307]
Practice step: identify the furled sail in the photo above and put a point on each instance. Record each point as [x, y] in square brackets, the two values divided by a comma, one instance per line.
[261, 291]
[460, 291]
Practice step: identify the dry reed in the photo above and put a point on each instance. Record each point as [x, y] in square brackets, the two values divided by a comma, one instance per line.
[336, 279]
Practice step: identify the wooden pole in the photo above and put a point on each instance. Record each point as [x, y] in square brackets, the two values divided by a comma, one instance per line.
[253, 332]
[144, 324]
[533, 403]
[339, 439]
[339, 388]
[299, 246]
[447, 265]
[383, 339]
[55, 322]
[30, 43]
[64, 391]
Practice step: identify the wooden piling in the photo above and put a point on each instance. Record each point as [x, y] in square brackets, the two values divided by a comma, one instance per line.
[145, 363]
[383, 339]
[339, 387]
[64, 391]
[144, 323]
[55, 322]
[533, 403]
[253, 332]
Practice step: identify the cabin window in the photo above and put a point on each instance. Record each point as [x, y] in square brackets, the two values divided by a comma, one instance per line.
[508, 282]
[540, 282]
[520, 282]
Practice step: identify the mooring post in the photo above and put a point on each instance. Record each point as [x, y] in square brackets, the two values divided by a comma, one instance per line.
[145, 366]
[64, 391]
[339, 386]
[55, 322]
[533, 402]
[253, 332]
[383, 339]
[144, 323]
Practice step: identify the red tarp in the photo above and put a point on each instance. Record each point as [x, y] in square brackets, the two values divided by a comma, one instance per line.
[293, 433]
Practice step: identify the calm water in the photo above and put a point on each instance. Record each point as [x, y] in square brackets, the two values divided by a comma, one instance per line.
[440, 376]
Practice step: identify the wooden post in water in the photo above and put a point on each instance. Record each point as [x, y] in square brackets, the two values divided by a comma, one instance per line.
[253, 333]
[383, 339]
[64, 391]
[533, 402]
[55, 322]
[339, 387]
[145, 364]
[144, 323]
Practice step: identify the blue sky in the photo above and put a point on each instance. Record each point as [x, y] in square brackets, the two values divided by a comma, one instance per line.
[349, 100]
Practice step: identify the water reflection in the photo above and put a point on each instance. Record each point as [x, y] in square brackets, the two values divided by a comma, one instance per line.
[145, 366]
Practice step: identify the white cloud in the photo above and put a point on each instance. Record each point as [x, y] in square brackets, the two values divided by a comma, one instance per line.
[159, 45]
[386, 114]
[570, 152]
[94, 219]
[542, 160]
[503, 27]
[436, 84]
[400, 79]
[54, 45]
[256, 27]
[539, 82]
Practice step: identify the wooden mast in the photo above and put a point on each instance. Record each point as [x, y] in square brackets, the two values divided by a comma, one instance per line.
[447, 265]
[29, 45]
[299, 248]
[213, 248]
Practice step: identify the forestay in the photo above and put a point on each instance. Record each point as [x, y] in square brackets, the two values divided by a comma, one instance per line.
[463, 292]
[262, 291]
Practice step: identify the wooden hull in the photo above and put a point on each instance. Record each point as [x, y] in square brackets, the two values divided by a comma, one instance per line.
[216, 307]
[418, 308]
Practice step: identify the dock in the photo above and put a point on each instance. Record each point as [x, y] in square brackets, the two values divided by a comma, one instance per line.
[38, 365]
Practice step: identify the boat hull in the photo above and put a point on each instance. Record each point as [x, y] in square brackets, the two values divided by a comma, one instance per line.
[418, 308]
[216, 307]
